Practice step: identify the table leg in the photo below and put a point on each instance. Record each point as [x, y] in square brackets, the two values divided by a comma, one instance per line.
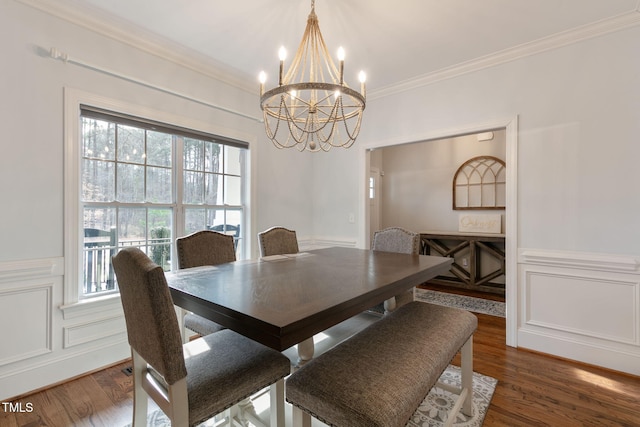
[305, 351]
[389, 305]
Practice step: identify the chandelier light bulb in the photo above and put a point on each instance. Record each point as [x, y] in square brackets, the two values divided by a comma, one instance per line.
[282, 53]
[363, 78]
[262, 77]
[341, 59]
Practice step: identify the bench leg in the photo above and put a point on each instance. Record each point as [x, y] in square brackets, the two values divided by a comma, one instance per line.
[300, 417]
[464, 402]
[467, 375]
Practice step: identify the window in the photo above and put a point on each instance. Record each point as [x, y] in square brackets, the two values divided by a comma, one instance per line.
[144, 183]
[372, 187]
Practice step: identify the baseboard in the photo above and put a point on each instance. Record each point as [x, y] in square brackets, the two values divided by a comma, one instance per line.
[619, 360]
[36, 376]
[310, 243]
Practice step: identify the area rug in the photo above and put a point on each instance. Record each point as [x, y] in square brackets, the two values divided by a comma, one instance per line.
[431, 413]
[434, 410]
[476, 305]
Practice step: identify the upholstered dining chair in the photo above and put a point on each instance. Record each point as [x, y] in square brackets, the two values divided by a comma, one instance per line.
[198, 249]
[192, 382]
[399, 240]
[277, 241]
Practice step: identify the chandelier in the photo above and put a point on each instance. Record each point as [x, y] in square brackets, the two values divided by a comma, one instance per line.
[312, 108]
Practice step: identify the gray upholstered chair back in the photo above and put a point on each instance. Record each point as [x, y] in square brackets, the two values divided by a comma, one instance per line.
[277, 241]
[396, 239]
[205, 248]
[152, 324]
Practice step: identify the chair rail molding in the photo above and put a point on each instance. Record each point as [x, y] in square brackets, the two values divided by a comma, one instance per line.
[12, 271]
[582, 260]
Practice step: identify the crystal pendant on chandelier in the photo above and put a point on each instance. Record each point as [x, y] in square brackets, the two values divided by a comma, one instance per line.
[312, 108]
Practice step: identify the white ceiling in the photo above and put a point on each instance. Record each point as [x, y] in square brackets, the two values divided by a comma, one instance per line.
[393, 41]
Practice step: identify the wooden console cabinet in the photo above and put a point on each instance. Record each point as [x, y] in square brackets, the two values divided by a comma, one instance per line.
[472, 249]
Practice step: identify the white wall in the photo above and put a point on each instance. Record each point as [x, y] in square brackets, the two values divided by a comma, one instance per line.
[577, 198]
[577, 108]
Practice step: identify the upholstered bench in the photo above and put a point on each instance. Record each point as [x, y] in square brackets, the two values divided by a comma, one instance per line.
[380, 376]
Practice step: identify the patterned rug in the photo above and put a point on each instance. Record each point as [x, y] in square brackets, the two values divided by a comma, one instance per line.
[476, 305]
[431, 413]
[435, 408]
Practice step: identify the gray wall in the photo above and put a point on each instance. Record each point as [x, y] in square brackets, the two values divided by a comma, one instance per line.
[417, 181]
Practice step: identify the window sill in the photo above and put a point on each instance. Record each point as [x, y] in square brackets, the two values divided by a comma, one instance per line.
[108, 304]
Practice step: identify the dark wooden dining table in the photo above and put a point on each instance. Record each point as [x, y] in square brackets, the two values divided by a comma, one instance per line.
[285, 300]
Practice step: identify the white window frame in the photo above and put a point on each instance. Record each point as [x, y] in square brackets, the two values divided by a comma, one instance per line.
[73, 303]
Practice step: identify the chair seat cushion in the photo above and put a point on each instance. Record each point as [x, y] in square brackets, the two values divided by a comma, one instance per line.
[232, 368]
[200, 325]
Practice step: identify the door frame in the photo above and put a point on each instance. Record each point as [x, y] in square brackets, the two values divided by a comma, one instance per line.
[510, 124]
[378, 192]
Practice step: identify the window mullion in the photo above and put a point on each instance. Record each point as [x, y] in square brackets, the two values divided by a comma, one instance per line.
[178, 191]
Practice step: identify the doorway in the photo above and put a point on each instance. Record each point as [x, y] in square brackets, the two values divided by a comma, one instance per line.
[509, 126]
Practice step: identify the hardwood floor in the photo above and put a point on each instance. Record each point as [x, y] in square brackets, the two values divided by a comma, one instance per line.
[533, 390]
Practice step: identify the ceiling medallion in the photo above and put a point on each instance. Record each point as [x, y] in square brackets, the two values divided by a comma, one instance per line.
[312, 108]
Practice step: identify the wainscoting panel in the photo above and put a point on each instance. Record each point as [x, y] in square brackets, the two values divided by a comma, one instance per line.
[580, 306]
[40, 346]
[25, 316]
[95, 330]
[599, 308]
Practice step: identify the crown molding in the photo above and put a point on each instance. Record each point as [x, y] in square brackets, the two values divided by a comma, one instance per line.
[585, 32]
[90, 18]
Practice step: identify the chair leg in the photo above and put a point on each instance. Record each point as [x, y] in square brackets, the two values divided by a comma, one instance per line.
[178, 403]
[276, 398]
[300, 417]
[466, 362]
[140, 397]
[183, 329]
